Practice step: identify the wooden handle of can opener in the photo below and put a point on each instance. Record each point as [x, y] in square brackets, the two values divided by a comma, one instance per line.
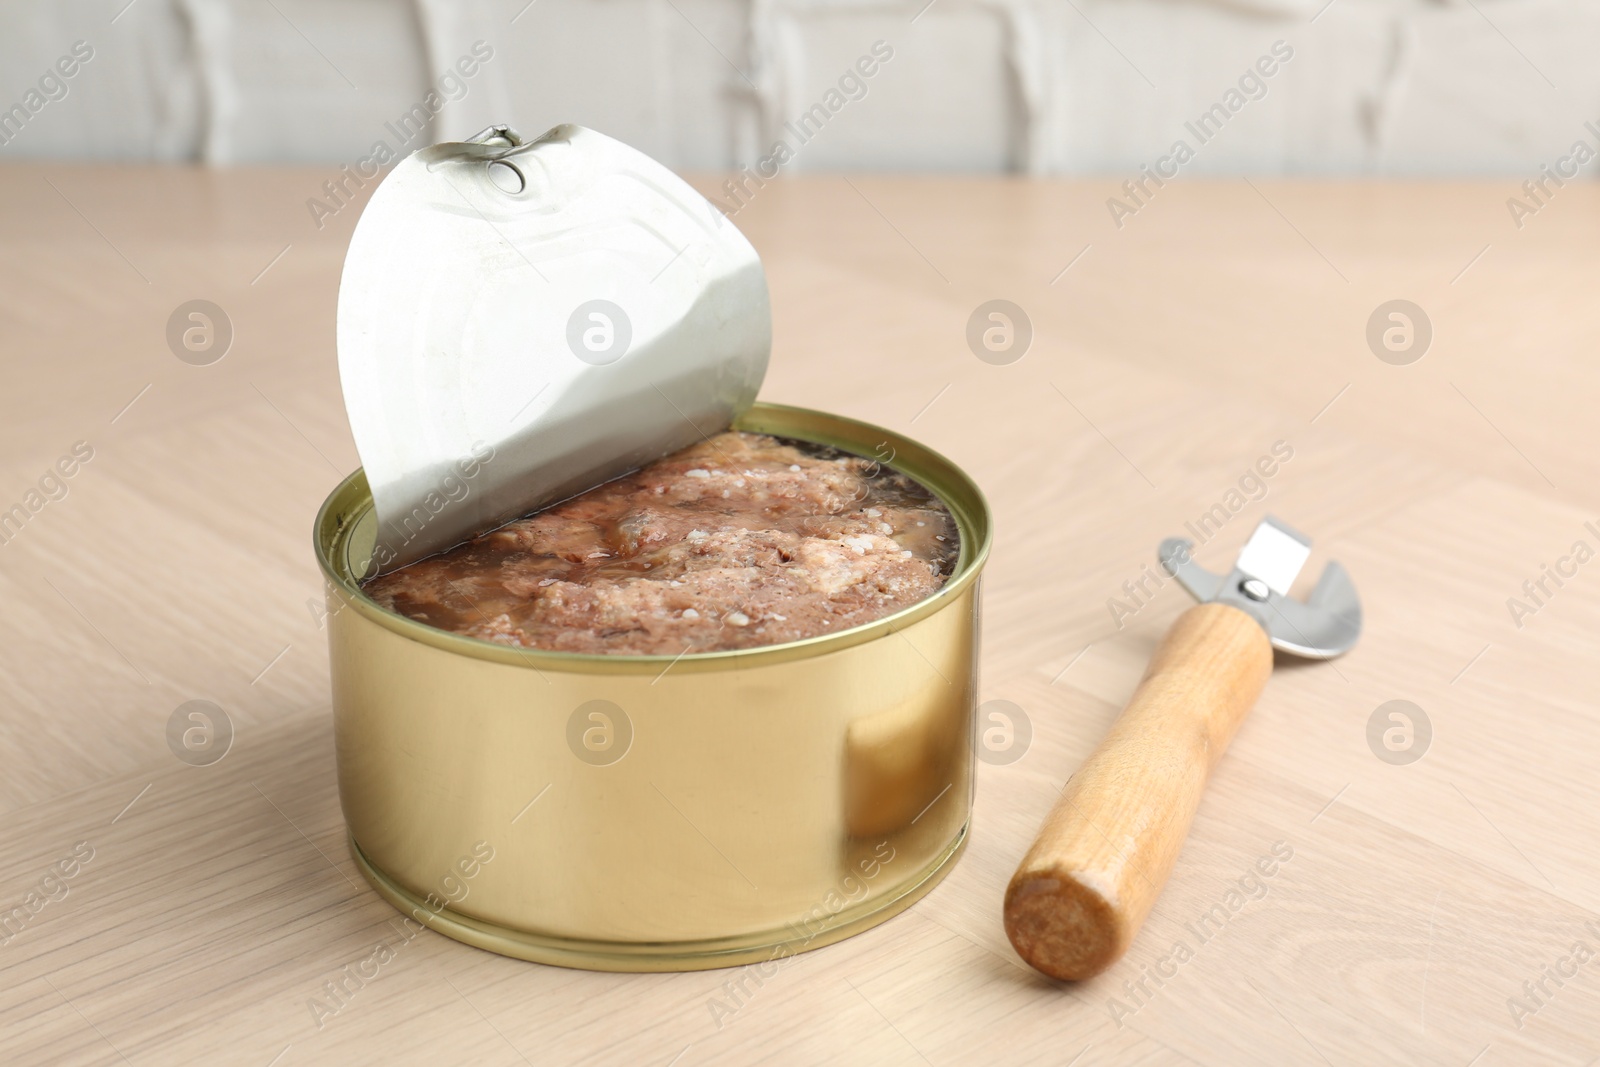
[1102, 856]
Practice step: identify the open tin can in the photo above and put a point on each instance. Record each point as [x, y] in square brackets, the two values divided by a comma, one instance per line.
[646, 813]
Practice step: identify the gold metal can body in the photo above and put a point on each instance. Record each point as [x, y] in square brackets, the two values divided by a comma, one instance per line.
[651, 813]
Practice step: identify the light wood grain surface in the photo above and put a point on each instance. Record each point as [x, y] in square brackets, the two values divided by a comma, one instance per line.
[1167, 357]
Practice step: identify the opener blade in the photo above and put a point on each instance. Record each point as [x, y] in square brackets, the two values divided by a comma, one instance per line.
[1275, 554]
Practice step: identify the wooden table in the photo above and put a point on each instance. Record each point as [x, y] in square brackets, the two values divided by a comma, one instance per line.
[1167, 356]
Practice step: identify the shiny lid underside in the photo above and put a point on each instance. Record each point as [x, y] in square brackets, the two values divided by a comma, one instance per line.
[547, 315]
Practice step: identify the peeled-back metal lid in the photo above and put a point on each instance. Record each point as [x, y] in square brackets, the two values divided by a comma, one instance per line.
[522, 321]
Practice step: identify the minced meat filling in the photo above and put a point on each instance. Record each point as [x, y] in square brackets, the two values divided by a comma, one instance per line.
[741, 540]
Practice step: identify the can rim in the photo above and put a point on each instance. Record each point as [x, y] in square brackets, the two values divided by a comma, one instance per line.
[351, 500]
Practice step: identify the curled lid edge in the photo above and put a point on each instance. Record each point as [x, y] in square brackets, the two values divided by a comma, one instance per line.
[520, 321]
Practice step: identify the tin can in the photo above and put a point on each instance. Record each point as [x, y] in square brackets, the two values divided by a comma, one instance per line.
[646, 813]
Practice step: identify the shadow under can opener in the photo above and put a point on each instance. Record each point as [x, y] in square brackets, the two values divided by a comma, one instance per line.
[1078, 898]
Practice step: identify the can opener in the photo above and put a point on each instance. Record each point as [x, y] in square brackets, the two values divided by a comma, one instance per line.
[1083, 890]
[522, 320]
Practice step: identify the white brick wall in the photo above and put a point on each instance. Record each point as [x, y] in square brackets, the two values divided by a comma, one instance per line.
[1409, 87]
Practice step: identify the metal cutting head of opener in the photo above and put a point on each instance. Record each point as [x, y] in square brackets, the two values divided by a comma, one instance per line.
[1325, 625]
[1098, 864]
